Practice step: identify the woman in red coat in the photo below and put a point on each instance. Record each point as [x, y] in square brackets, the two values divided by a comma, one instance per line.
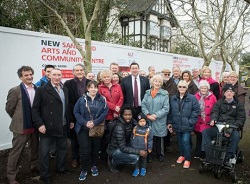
[114, 97]
[206, 100]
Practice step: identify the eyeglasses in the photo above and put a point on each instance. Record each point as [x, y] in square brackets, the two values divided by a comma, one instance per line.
[166, 74]
[182, 87]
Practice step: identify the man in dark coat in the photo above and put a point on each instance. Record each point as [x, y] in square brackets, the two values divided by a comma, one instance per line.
[229, 110]
[171, 87]
[134, 96]
[76, 88]
[49, 112]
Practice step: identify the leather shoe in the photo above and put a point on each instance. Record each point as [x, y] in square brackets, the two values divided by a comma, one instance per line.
[34, 169]
[14, 182]
[74, 163]
[111, 166]
[64, 172]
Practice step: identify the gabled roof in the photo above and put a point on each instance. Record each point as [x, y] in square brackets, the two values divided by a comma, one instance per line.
[143, 7]
[139, 6]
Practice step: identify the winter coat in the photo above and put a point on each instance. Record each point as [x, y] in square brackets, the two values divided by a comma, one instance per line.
[170, 86]
[209, 101]
[214, 87]
[240, 92]
[142, 138]
[159, 105]
[192, 88]
[47, 110]
[184, 112]
[114, 97]
[231, 113]
[120, 137]
[98, 108]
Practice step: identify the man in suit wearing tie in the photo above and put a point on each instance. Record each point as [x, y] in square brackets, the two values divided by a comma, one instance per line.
[49, 112]
[134, 87]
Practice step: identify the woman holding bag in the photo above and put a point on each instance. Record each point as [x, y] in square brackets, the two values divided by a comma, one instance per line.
[90, 111]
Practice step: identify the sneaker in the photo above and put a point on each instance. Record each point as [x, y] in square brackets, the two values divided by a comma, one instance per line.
[180, 159]
[143, 172]
[186, 164]
[136, 172]
[94, 171]
[83, 175]
[111, 166]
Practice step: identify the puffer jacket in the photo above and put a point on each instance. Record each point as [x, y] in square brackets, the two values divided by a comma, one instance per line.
[120, 137]
[98, 108]
[209, 101]
[231, 113]
[142, 138]
[114, 97]
[184, 112]
[159, 105]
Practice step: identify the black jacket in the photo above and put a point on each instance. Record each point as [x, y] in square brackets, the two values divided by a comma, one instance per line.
[47, 110]
[231, 113]
[120, 138]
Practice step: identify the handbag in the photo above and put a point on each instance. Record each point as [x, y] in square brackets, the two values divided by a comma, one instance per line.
[98, 130]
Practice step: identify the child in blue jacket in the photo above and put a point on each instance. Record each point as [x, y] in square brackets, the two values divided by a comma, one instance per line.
[142, 139]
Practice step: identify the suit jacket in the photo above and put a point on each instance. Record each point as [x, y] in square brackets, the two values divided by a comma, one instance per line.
[127, 88]
[47, 110]
[15, 109]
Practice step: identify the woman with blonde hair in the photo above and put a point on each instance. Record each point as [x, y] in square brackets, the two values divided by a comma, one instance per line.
[155, 105]
[214, 85]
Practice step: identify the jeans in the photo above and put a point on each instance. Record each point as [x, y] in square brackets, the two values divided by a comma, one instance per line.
[210, 134]
[120, 158]
[184, 144]
[89, 149]
[141, 163]
[44, 149]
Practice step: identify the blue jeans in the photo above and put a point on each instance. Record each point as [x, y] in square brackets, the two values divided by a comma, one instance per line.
[120, 158]
[184, 144]
[210, 134]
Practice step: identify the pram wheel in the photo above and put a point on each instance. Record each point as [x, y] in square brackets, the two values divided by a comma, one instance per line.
[234, 177]
[217, 171]
[201, 168]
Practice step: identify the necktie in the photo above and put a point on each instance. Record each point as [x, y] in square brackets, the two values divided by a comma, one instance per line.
[135, 94]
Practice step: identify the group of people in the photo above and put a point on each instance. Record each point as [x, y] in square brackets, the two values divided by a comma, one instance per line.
[143, 109]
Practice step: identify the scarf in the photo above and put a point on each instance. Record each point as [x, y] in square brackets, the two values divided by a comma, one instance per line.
[202, 104]
[154, 92]
[27, 117]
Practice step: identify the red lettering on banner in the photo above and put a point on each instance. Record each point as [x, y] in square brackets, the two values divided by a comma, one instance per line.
[100, 61]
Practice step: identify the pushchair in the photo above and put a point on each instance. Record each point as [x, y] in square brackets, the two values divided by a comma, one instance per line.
[216, 153]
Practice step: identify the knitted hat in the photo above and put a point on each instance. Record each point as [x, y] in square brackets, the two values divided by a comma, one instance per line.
[228, 87]
[204, 83]
[141, 116]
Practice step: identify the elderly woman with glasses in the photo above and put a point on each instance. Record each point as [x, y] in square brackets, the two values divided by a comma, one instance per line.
[155, 105]
[184, 113]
